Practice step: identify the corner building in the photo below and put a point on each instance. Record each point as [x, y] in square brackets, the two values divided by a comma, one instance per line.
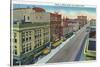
[31, 34]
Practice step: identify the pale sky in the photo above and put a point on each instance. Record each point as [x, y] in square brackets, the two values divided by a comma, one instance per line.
[70, 12]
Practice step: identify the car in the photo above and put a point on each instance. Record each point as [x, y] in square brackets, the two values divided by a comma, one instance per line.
[46, 51]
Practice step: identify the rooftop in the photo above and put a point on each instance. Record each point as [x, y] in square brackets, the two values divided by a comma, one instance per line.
[28, 24]
[55, 14]
[36, 9]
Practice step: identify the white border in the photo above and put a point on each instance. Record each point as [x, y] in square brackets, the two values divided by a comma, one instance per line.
[5, 34]
[52, 4]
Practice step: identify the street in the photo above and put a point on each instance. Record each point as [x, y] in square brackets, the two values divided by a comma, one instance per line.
[70, 50]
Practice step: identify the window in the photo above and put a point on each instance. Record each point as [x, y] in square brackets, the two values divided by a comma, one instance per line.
[44, 41]
[26, 33]
[92, 34]
[93, 29]
[36, 44]
[26, 49]
[92, 45]
[26, 39]
[15, 40]
[29, 48]
[15, 47]
[23, 46]
[40, 43]
[29, 38]
[23, 50]
[28, 17]
[14, 35]
[23, 40]
[35, 36]
[15, 51]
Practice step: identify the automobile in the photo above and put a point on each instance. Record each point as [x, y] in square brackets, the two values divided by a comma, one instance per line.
[46, 51]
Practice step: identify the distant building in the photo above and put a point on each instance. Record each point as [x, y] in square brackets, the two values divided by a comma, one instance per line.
[31, 34]
[82, 20]
[69, 26]
[73, 25]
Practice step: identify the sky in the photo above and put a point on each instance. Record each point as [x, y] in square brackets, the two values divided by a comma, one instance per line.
[70, 12]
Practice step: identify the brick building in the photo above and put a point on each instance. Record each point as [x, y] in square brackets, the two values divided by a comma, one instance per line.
[55, 29]
[82, 20]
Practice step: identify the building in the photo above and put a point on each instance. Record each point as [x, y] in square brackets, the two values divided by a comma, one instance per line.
[69, 26]
[31, 34]
[82, 20]
[34, 15]
[73, 25]
[65, 27]
[56, 31]
[90, 45]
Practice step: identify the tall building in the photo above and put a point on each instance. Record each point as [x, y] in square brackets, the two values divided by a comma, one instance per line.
[90, 45]
[82, 20]
[56, 31]
[31, 34]
[65, 27]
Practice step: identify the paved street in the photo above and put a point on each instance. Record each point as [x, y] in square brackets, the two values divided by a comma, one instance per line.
[71, 49]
